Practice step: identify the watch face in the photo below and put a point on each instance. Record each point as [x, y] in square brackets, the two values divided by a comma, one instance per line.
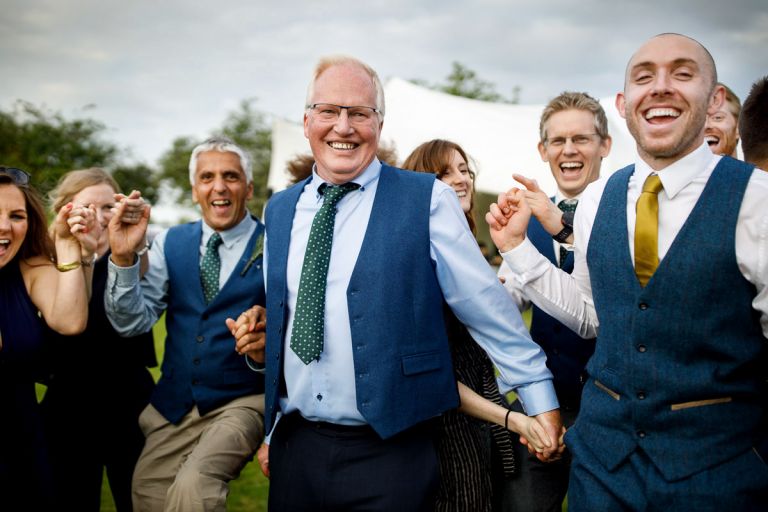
[567, 219]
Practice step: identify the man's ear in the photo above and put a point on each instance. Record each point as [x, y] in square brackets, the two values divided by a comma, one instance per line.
[716, 100]
[621, 104]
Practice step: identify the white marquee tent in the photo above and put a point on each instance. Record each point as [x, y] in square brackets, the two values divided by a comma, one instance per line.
[500, 138]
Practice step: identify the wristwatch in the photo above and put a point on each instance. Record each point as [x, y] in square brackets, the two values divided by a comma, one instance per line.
[567, 221]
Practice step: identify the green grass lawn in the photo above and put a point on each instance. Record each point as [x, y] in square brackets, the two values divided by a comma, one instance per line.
[247, 493]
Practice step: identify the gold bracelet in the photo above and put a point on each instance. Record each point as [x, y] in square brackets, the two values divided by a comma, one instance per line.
[66, 267]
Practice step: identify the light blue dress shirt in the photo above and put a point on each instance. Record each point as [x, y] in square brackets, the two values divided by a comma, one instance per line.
[325, 390]
[133, 309]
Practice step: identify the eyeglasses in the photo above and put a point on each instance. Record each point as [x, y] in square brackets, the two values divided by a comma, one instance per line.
[330, 113]
[581, 139]
[19, 176]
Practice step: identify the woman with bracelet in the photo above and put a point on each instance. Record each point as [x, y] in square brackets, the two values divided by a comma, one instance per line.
[97, 377]
[474, 457]
[42, 281]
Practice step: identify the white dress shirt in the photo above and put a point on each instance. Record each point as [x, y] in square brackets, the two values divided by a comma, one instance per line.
[568, 298]
[512, 285]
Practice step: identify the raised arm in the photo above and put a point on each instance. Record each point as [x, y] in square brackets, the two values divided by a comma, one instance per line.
[61, 291]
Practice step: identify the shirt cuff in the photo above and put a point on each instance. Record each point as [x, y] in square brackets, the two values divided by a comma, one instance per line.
[253, 365]
[538, 397]
[126, 276]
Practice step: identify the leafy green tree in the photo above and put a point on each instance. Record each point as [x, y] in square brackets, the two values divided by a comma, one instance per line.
[248, 128]
[174, 164]
[462, 81]
[47, 145]
[137, 177]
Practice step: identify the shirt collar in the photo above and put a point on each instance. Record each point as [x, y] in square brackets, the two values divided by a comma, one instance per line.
[676, 176]
[369, 175]
[231, 235]
[559, 196]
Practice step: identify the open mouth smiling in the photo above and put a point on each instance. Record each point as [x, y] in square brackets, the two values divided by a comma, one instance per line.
[569, 168]
[661, 114]
[344, 146]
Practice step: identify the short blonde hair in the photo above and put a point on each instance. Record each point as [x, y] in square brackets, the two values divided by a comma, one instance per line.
[73, 182]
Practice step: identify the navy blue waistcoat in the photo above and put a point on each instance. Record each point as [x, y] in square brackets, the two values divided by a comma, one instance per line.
[403, 370]
[567, 353]
[200, 365]
[675, 372]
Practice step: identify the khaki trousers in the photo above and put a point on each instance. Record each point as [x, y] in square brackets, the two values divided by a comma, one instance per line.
[187, 467]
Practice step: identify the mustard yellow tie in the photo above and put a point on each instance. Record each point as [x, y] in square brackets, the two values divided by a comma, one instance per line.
[647, 230]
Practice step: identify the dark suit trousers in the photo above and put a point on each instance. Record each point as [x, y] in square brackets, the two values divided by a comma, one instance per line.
[324, 467]
[537, 486]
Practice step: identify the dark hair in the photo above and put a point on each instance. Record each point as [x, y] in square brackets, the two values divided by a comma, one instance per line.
[36, 242]
[434, 157]
[753, 124]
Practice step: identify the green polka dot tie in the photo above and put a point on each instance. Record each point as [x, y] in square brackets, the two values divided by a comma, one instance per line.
[566, 205]
[308, 323]
[210, 267]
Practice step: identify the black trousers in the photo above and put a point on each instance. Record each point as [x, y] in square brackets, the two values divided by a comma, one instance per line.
[316, 466]
[538, 486]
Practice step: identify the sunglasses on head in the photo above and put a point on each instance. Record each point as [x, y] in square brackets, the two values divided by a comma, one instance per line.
[19, 176]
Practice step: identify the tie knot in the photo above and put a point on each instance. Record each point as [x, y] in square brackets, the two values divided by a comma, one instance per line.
[568, 205]
[332, 194]
[214, 242]
[652, 184]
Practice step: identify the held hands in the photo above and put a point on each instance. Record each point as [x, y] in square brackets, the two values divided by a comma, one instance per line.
[128, 227]
[552, 427]
[508, 219]
[77, 223]
[545, 211]
[250, 333]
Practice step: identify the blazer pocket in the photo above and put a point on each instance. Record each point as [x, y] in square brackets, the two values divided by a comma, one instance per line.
[700, 403]
[420, 363]
[607, 390]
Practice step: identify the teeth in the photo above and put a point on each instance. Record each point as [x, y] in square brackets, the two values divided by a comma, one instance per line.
[461, 194]
[342, 145]
[221, 202]
[662, 112]
[711, 139]
[5, 242]
[571, 165]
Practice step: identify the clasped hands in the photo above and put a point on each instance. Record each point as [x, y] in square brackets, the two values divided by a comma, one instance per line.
[508, 217]
[552, 426]
[249, 331]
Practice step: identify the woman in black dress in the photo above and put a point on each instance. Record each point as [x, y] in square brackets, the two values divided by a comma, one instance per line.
[42, 281]
[475, 456]
[99, 381]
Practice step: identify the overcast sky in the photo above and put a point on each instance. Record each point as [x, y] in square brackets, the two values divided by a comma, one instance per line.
[155, 70]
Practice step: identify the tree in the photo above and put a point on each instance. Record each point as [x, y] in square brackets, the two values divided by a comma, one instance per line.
[137, 177]
[47, 145]
[247, 127]
[464, 82]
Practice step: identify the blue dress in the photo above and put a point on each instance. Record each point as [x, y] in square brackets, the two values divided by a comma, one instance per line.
[25, 482]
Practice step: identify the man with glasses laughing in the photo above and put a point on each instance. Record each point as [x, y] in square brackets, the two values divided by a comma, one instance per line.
[573, 140]
[360, 259]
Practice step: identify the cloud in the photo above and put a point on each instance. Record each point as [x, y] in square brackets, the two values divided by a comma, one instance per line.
[157, 70]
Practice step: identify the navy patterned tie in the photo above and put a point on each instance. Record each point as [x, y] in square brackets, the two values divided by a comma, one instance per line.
[210, 267]
[308, 323]
[566, 205]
